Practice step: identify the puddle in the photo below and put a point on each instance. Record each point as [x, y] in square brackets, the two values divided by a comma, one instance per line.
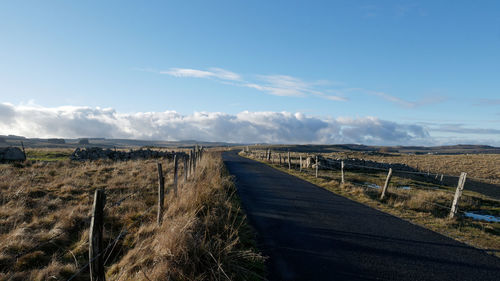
[404, 187]
[371, 185]
[481, 217]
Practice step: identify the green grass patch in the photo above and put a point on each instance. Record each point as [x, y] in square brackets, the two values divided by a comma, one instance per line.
[48, 154]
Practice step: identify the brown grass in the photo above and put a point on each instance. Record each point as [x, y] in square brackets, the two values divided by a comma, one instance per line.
[482, 166]
[45, 214]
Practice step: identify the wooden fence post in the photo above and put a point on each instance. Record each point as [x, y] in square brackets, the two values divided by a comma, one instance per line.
[387, 181]
[176, 163]
[185, 168]
[289, 161]
[196, 155]
[458, 193]
[189, 163]
[300, 163]
[342, 171]
[280, 159]
[96, 257]
[161, 194]
[317, 166]
[24, 152]
[194, 163]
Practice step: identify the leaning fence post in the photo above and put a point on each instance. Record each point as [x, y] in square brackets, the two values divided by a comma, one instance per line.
[96, 257]
[387, 181]
[289, 161]
[342, 171]
[161, 194]
[317, 166]
[458, 193]
[176, 161]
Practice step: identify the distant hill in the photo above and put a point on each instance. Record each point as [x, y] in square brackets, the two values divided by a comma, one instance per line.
[449, 149]
[12, 140]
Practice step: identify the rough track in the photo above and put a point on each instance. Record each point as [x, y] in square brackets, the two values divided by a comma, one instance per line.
[312, 234]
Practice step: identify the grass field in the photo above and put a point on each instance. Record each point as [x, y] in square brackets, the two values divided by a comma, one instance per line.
[45, 214]
[421, 203]
[482, 166]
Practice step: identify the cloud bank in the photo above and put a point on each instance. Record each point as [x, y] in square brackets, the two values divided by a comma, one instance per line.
[244, 127]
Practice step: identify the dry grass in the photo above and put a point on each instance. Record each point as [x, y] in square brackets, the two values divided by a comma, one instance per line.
[45, 215]
[483, 166]
[428, 208]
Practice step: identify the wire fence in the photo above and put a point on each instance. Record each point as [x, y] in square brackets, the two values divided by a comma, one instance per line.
[368, 167]
[300, 161]
[346, 162]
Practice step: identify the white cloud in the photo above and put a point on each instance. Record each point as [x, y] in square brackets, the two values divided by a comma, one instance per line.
[278, 85]
[394, 99]
[213, 72]
[289, 86]
[284, 85]
[244, 127]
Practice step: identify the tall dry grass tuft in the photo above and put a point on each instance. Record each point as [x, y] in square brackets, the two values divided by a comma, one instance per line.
[200, 237]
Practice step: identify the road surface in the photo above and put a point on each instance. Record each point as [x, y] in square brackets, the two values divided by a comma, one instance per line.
[309, 233]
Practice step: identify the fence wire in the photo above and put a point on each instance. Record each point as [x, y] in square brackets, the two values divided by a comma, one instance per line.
[347, 165]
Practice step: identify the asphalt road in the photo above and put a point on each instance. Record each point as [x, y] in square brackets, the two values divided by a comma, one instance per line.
[309, 233]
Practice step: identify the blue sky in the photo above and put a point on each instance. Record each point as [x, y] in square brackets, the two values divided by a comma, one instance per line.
[429, 64]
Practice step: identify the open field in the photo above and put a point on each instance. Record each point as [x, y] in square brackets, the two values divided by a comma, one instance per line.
[482, 166]
[420, 202]
[45, 209]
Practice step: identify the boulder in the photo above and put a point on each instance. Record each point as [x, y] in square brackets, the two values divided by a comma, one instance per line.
[12, 154]
[83, 141]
